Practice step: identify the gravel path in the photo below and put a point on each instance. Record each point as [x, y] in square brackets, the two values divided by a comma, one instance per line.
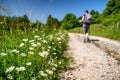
[91, 60]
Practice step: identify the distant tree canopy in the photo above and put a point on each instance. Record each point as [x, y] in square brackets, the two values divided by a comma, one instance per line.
[110, 16]
[112, 7]
[69, 21]
[95, 17]
[111, 13]
[52, 22]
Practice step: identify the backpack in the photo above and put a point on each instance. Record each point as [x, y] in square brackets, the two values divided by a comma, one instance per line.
[87, 19]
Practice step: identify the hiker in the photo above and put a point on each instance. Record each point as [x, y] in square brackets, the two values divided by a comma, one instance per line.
[86, 19]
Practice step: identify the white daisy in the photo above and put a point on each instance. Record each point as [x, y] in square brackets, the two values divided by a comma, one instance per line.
[23, 54]
[31, 52]
[49, 72]
[43, 54]
[28, 64]
[15, 51]
[31, 48]
[36, 36]
[31, 41]
[25, 40]
[9, 76]
[10, 69]
[20, 69]
[43, 74]
[21, 45]
[3, 54]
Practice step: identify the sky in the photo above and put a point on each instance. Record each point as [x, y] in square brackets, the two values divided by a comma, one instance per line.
[40, 9]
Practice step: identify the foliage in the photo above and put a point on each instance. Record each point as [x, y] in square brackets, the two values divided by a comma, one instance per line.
[111, 32]
[14, 23]
[52, 22]
[112, 7]
[95, 17]
[69, 21]
[38, 24]
[35, 55]
[111, 14]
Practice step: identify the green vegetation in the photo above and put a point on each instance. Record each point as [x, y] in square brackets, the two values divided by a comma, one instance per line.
[69, 21]
[52, 22]
[111, 32]
[31, 51]
[37, 54]
[100, 30]
[112, 7]
[76, 30]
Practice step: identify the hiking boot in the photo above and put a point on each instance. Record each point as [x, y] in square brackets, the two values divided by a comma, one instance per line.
[88, 40]
[84, 41]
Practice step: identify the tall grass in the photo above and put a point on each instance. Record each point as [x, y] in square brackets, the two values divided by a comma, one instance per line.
[112, 32]
[35, 55]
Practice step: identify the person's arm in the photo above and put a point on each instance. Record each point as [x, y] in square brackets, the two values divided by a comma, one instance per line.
[82, 19]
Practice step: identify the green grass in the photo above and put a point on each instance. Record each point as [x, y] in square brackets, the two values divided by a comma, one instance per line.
[98, 30]
[76, 30]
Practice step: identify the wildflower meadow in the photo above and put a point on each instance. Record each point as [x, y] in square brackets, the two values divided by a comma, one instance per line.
[36, 55]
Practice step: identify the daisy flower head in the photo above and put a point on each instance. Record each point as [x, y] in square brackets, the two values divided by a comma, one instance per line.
[28, 64]
[43, 54]
[20, 69]
[3, 54]
[49, 72]
[30, 52]
[21, 45]
[42, 73]
[36, 36]
[10, 69]
[9, 76]
[23, 54]
[24, 40]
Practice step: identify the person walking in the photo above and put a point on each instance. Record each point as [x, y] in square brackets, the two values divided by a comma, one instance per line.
[86, 19]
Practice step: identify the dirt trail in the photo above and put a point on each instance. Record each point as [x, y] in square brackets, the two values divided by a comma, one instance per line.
[91, 60]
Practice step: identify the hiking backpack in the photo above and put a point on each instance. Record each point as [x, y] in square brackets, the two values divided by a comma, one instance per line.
[87, 19]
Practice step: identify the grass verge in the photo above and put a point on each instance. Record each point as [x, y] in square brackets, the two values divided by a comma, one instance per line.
[111, 32]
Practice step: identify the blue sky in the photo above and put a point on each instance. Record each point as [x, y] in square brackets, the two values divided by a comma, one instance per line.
[40, 9]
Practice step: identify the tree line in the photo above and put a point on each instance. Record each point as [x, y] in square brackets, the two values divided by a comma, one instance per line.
[110, 16]
[23, 22]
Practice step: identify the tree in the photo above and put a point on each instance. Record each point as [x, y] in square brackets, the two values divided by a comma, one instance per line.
[49, 21]
[56, 23]
[26, 19]
[52, 22]
[92, 12]
[95, 17]
[112, 7]
[111, 13]
[69, 21]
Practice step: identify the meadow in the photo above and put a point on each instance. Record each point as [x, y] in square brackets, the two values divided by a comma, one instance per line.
[111, 32]
[32, 55]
